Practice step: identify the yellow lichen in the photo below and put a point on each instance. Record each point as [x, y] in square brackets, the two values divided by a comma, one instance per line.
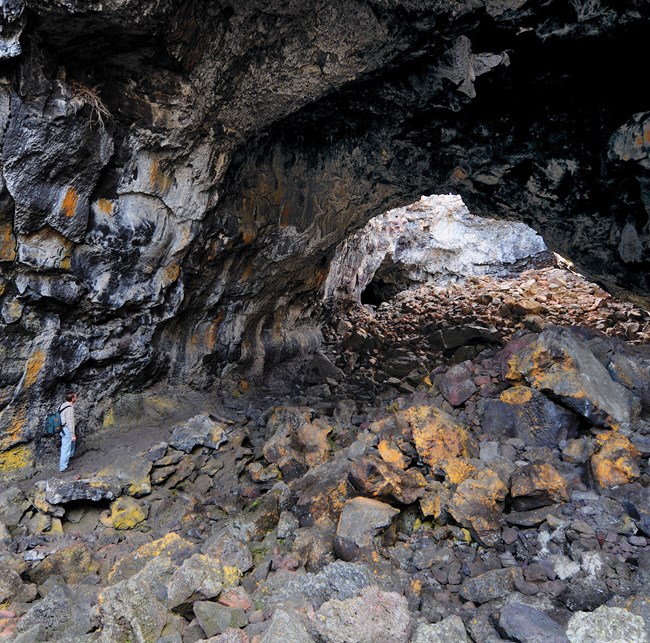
[16, 458]
[517, 395]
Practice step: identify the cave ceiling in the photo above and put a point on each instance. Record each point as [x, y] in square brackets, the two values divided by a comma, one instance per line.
[176, 175]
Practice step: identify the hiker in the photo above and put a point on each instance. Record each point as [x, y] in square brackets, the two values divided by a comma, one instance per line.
[68, 435]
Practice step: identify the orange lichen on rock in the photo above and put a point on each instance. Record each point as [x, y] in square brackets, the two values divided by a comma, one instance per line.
[517, 395]
[7, 243]
[105, 206]
[440, 441]
[615, 461]
[540, 484]
[69, 203]
[390, 452]
[477, 505]
[160, 181]
[34, 365]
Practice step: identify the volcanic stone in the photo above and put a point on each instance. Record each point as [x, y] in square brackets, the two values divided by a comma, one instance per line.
[373, 476]
[457, 385]
[528, 625]
[477, 505]
[537, 485]
[606, 624]
[361, 520]
[559, 362]
[203, 430]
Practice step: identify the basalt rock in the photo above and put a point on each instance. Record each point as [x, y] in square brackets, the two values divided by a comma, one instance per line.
[175, 180]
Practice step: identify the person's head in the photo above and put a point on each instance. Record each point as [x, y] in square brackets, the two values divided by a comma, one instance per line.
[70, 396]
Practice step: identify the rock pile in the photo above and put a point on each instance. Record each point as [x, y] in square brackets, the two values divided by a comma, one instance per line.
[487, 483]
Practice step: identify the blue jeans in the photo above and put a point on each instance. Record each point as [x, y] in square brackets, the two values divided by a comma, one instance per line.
[67, 449]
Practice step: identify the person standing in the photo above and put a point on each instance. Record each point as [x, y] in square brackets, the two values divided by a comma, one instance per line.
[68, 435]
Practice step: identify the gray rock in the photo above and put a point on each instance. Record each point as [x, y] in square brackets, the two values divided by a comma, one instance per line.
[528, 414]
[606, 625]
[215, 618]
[13, 589]
[559, 362]
[286, 626]
[586, 592]
[529, 625]
[449, 630]
[13, 506]
[62, 490]
[361, 520]
[372, 616]
[203, 430]
[488, 586]
[66, 611]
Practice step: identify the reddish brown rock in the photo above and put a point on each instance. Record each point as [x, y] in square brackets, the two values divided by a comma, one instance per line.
[457, 385]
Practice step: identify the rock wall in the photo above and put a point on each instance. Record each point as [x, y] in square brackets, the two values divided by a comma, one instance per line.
[434, 240]
[176, 175]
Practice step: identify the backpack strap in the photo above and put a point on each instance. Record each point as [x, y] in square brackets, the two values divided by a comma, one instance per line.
[62, 407]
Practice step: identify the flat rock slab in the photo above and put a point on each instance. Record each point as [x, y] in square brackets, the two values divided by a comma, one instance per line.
[58, 492]
[528, 625]
[201, 430]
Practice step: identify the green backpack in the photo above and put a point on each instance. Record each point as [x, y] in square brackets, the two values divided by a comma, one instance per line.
[53, 424]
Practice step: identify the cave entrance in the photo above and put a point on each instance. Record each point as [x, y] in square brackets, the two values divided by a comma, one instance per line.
[435, 240]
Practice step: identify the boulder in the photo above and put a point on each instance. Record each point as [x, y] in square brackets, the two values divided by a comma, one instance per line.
[136, 610]
[13, 589]
[296, 443]
[537, 485]
[372, 616]
[449, 630]
[171, 546]
[286, 626]
[527, 414]
[488, 586]
[477, 505]
[457, 385]
[126, 513]
[215, 618]
[361, 520]
[200, 578]
[13, 506]
[201, 430]
[63, 490]
[66, 613]
[529, 625]
[73, 562]
[456, 336]
[375, 477]
[441, 441]
[605, 625]
[615, 461]
[560, 363]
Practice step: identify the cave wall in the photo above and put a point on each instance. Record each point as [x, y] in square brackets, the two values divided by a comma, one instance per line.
[176, 175]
